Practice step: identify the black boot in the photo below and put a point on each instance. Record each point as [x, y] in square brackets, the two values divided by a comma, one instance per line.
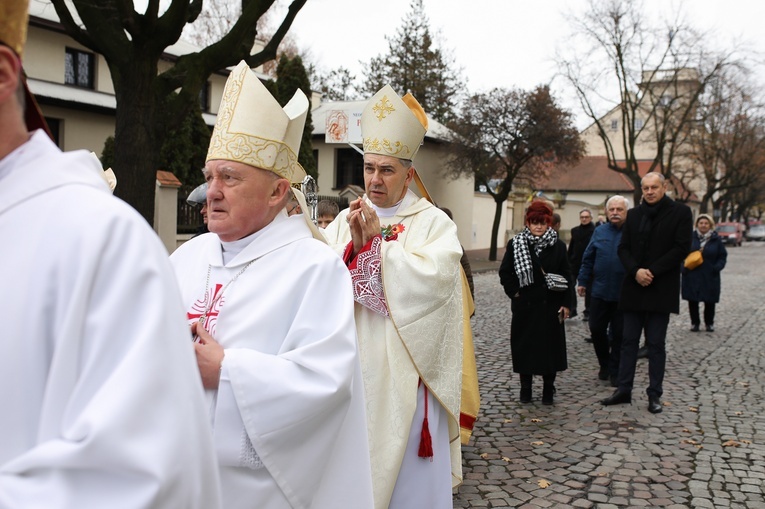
[654, 404]
[525, 389]
[617, 398]
[548, 390]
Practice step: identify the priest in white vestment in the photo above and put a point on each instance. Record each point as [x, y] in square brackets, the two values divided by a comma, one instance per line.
[101, 401]
[404, 258]
[273, 309]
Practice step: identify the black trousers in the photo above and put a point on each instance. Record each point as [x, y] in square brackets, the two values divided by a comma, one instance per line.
[608, 348]
[709, 312]
[654, 325]
[587, 296]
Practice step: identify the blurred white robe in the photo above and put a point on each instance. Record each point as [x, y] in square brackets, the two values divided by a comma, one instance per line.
[289, 420]
[102, 404]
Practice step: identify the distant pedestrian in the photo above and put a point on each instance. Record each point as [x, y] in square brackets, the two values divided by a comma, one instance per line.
[326, 212]
[702, 284]
[537, 333]
[556, 222]
[580, 238]
[197, 198]
[602, 266]
[655, 240]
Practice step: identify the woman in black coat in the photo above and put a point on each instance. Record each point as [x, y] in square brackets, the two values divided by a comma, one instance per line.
[537, 334]
[702, 284]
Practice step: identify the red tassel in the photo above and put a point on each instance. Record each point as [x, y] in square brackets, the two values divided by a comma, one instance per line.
[426, 441]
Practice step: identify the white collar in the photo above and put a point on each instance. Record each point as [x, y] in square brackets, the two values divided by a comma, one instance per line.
[387, 211]
[408, 199]
[233, 248]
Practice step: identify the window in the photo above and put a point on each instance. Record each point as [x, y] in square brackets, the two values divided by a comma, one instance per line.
[54, 125]
[349, 169]
[638, 123]
[78, 68]
[204, 97]
[614, 125]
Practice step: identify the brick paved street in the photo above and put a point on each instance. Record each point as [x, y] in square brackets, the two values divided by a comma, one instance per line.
[706, 450]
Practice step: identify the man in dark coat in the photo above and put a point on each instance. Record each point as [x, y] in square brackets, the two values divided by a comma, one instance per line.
[580, 238]
[656, 238]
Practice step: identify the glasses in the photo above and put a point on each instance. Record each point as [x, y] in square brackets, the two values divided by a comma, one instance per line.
[585, 217]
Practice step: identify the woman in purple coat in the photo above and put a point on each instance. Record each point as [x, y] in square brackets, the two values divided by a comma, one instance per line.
[702, 284]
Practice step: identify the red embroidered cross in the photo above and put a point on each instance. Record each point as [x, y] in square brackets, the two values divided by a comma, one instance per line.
[201, 304]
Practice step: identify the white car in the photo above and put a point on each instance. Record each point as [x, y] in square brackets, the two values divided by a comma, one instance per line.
[756, 232]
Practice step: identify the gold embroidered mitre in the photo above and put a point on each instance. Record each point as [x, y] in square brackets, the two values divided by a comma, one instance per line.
[252, 128]
[393, 126]
[13, 24]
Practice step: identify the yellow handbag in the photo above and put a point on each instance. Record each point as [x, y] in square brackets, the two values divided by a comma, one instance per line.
[693, 260]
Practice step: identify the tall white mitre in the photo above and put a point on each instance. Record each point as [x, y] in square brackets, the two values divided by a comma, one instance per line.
[252, 128]
[392, 125]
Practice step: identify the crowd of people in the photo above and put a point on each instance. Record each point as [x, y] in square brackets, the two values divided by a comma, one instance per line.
[628, 272]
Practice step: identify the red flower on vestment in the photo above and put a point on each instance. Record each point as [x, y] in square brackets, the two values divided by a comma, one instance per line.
[391, 231]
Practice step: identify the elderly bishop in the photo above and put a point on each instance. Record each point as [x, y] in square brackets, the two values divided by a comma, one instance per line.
[273, 311]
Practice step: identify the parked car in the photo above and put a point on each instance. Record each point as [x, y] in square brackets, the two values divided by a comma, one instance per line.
[731, 233]
[756, 232]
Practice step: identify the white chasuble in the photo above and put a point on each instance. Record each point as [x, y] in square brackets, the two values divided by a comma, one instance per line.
[102, 405]
[288, 415]
[420, 339]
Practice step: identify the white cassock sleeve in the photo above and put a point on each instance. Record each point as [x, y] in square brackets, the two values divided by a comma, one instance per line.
[102, 405]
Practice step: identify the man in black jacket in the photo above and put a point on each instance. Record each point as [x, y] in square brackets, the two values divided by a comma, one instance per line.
[580, 239]
[655, 239]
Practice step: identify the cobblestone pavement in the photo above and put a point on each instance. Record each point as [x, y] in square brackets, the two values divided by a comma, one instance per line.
[706, 450]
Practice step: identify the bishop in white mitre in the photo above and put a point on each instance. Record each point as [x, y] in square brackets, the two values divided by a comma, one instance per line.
[273, 309]
[403, 255]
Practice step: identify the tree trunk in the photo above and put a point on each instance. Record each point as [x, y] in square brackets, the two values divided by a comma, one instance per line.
[637, 194]
[495, 228]
[704, 205]
[136, 146]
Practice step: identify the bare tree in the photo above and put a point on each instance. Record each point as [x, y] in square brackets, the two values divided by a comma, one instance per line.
[728, 141]
[647, 80]
[149, 101]
[510, 135]
[337, 85]
[215, 20]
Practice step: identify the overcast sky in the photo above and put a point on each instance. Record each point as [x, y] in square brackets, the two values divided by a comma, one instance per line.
[498, 43]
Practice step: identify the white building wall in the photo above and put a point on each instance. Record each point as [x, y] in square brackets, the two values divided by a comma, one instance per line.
[81, 129]
[484, 209]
